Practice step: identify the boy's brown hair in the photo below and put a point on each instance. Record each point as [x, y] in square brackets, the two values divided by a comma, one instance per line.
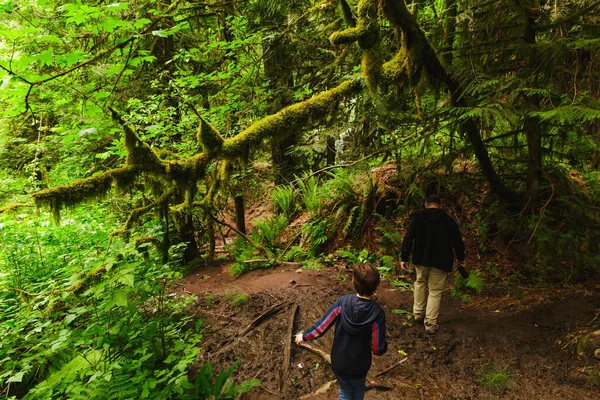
[366, 279]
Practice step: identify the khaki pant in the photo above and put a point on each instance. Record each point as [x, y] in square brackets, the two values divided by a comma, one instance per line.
[433, 279]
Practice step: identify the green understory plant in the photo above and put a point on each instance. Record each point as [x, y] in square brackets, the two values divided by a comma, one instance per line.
[495, 379]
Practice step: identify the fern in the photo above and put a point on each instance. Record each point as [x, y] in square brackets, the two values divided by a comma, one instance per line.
[269, 231]
[312, 197]
[475, 282]
[284, 199]
[221, 387]
[314, 234]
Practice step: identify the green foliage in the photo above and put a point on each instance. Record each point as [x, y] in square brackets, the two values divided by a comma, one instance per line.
[361, 258]
[209, 387]
[391, 237]
[314, 235]
[495, 379]
[284, 199]
[401, 283]
[268, 232]
[236, 298]
[311, 196]
[474, 282]
[87, 318]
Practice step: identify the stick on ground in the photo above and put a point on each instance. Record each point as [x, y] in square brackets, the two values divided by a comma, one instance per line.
[287, 353]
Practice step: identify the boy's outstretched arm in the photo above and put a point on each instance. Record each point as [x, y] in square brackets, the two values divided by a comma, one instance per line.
[323, 324]
[379, 341]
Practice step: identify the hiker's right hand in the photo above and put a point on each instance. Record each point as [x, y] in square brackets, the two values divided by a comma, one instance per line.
[404, 265]
[298, 338]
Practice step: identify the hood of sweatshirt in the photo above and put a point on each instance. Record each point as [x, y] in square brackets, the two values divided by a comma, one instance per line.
[358, 314]
[433, 214]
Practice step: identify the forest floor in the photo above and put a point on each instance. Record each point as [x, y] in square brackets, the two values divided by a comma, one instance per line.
[494, 346]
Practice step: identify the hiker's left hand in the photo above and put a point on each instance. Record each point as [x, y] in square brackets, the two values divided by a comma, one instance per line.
[298, 338]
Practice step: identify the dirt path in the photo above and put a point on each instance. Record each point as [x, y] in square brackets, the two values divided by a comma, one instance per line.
[523, 344]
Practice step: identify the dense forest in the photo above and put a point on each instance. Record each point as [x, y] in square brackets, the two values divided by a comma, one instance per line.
[144, 144]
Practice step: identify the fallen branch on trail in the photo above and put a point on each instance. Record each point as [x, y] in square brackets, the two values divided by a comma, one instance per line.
[276, 262]
[321, 390]
[271, 311]
[317, 351]
[287, 352]
[375, 385]
[262, 317]
[385, 371]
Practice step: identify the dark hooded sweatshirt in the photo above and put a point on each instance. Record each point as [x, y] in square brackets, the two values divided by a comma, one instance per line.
[432, 236]
[359, 331]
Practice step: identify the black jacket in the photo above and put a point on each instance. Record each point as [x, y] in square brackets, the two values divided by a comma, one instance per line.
[431, 237]
[359, 331]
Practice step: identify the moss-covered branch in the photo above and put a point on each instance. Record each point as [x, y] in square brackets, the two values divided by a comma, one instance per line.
[14, 207]
[187, 172]
[80, 190]
[366, 34]
[288, 119]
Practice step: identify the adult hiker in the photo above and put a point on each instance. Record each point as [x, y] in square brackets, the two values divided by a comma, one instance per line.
[433, 238]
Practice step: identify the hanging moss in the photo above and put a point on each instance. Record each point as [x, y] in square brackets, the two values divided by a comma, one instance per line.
[209, 137]
[124, 178]
[421, 57]
[286, 120]
[82, 189]
[365, 31]
[371, 64]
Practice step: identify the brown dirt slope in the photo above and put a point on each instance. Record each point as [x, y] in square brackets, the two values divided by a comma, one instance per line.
[529, 339]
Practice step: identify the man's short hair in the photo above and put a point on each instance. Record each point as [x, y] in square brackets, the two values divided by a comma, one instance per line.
[366, 279]
[433, 199]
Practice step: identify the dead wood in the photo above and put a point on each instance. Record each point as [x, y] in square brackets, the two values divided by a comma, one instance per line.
[262, 317]
[377, 386]
[287, 353]
[271, 311]
[317, 351]
[321, 390]
[385, 371]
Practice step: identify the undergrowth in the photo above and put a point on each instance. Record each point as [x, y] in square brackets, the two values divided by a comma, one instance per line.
[87, 316]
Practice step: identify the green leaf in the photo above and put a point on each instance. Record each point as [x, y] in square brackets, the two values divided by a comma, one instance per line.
[18, 377]
[69, 318]
[120, 298]
[46, 57]
[127, 279]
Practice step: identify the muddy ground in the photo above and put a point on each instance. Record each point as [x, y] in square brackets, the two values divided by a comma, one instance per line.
[530, 339]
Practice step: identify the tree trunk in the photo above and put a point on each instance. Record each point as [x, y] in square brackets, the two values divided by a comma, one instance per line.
[240, 213]
[331, 151]
[449, 32]
[534, 159]
[531, 124]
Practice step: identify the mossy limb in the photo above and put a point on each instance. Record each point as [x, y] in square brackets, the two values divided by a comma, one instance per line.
[139, 154]
[209, 137]
[288, 119]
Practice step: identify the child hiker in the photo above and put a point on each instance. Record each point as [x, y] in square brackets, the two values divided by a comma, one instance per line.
[359, 331]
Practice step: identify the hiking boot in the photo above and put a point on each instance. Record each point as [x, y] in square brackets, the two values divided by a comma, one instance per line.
[419, 319]
[431, 329]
